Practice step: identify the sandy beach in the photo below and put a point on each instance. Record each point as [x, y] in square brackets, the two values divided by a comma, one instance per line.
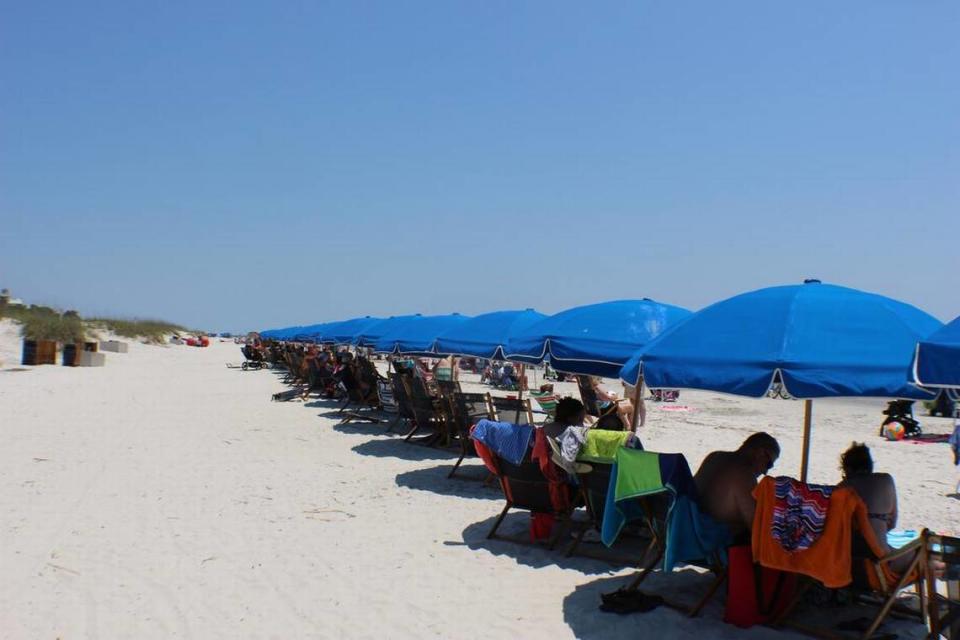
[166, 496]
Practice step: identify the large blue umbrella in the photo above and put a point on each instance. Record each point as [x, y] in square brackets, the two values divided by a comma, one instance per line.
[595, 339]
[369, 335]
[311, 332]
[937, 360]
[816, 340]
[484, 336]
[416, 335]
[346, 331]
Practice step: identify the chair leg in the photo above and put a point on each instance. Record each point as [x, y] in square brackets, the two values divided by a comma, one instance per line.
[463, 454]
[720, 579]
[891, 599]
[646, 570]
[562, 527]
[413, 430]
[496, 525]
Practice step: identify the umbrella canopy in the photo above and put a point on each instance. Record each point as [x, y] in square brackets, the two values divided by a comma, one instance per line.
[368, 336]
[485, 336]
[937, 359]
[595, 339]
[310, 332]
[346, 331]
[415, 335]
[819, 340]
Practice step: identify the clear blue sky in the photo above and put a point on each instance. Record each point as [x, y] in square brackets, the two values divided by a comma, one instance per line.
[240, 165]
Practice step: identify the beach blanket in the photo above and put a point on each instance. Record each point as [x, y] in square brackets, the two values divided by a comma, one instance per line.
[799, 513]
[507, 440]
[829, 559]
[693, 536]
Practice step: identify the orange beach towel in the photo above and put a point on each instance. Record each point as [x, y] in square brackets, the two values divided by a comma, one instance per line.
[829, 560]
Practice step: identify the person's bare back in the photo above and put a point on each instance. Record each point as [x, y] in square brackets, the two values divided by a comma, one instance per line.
[726, 479]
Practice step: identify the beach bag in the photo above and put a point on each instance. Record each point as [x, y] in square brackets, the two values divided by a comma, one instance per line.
[755, 594]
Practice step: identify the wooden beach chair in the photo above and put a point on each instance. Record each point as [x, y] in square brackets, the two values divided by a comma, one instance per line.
[943, 593]
[426, 412]
[466, 409]
[867, 570]
[513, 410]
[605, 417]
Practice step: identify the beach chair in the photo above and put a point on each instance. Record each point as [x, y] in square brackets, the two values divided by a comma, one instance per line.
[512, 410]
[606, 417]
[547, 401]
[400, 385]
[857, 560]
[466, 409]
[360, 392]
[426, 411]
[943, 593]
[681, 534]
[533, 483]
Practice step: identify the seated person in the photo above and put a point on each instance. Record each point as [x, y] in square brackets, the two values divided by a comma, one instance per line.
[446, 370]
[726, 480]
[570, 413]
[878, 492]
[607, 398]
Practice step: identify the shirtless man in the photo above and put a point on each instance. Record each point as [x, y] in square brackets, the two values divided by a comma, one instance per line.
[726, 479]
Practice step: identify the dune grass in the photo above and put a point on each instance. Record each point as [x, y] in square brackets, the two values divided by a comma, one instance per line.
[44, 323]
[153, 330]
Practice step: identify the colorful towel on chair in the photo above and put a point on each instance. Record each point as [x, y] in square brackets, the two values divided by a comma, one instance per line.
[601, 445]
[829, 559]
[636, 474]
[799, 513]
[507, 440]
[694, 536]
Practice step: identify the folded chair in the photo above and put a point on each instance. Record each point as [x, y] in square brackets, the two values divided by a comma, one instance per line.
[846, 554]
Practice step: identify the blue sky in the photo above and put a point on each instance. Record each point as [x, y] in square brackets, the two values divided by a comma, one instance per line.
[241, 165]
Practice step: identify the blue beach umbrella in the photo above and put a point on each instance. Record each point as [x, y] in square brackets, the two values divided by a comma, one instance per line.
[816, 340]
[595, 339]
[416, 335]
[346, 331]
[369, 335]
[311, 333]
[937, 360]
[485, 336]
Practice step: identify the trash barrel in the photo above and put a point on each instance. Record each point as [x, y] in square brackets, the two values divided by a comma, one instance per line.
[70, 355]
[29, 352]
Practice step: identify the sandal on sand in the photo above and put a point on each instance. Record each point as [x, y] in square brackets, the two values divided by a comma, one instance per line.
[625, 601]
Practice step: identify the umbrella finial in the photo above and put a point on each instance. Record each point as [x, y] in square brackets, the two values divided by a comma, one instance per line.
[812, 281]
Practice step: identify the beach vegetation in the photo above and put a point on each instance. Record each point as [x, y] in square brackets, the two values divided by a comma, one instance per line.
[45, 323]
[151, 330]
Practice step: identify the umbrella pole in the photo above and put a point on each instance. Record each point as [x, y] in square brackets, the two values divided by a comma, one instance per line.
[523, 372]
[637, 398]
[807, 424]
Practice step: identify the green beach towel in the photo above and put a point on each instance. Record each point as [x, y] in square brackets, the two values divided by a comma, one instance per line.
[602, 446]
[638, 474]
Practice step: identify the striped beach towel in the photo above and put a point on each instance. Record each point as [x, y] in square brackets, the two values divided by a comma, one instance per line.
[799, 513]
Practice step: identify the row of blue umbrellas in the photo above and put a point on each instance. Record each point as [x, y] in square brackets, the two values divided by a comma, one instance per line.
[815, 340]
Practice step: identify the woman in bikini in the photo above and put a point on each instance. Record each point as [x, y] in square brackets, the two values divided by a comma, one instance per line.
[877, 490]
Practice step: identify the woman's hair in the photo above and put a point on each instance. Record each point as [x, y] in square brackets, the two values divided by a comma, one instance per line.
[856, 460]
[568, 409]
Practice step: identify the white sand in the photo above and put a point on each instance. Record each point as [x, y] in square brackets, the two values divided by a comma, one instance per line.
[165, 496]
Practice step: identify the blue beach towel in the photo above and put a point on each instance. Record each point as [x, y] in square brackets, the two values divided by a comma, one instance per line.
[507, 440]
[693, 536]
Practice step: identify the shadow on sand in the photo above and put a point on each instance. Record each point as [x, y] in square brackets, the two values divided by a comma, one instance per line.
[468, 483]
[397, 448]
